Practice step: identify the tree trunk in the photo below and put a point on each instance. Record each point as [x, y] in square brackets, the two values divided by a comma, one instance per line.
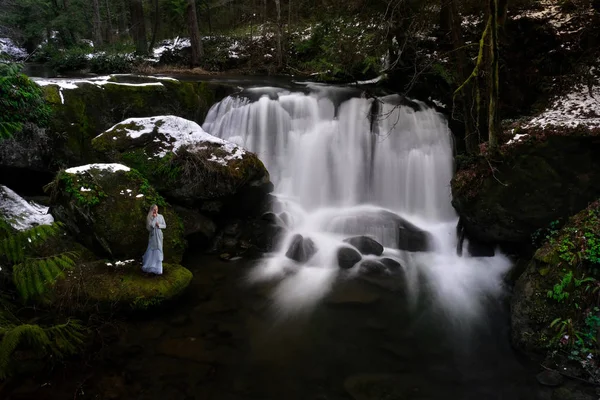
[493, 122]
[96, 23]
[460, 59]
[123, 20]
[195, 40]
[279, 47]
[154, 26]
[109, 28]
[264, 11]
[138, 26]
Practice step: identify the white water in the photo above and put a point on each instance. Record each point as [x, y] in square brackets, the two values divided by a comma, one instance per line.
[332, 168]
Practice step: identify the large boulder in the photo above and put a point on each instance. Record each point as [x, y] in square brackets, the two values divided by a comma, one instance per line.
[388, 228]
[105, 207]
[544, 177]
[188, 165]
[554, 298]
[83, 108]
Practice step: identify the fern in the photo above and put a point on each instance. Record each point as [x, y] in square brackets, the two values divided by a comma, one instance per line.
[34, 275]
[57, 340]
[14, 246]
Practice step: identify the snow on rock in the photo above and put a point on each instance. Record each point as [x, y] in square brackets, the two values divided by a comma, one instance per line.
[13, 51]
[173, 132]
[170, 45]
[580, 106]
[99, 81]
[516, 138]
[101, 167]
[21, 214]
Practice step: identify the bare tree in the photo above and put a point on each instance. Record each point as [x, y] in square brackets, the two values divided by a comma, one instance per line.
[279, 46]
[138, 26]
[195, 40]
[96, 23]
[109, 28]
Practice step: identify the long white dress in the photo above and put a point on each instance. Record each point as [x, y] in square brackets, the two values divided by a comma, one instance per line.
[153, 258]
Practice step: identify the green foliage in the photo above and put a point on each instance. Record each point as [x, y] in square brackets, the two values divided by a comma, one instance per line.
[33, 274]
[21, 101]
[57, 340]
[92, 194]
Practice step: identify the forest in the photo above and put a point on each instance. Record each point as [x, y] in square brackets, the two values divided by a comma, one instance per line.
[283, 134]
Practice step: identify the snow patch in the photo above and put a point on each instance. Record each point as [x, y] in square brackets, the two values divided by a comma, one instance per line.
[580, 106]
[19, 213]
[101, 167]
[8, 47]
[517, 138]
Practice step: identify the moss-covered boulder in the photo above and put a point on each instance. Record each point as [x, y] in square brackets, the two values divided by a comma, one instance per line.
[188, 165]
[555, 300]
[84, 108]
[105, 207]
[506, 197]
[121, 283]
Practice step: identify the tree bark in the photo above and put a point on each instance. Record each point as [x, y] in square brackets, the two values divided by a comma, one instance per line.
[195, 40]
[493, 122]
[109, 28]
[279, 46]
[154, 26]
[138, 26]
[122, 20]
[460, 60]
[96, 24]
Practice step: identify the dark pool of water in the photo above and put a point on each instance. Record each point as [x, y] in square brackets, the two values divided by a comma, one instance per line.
[222, 341]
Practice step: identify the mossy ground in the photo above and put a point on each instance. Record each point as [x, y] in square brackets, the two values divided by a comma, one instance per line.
[123, 286]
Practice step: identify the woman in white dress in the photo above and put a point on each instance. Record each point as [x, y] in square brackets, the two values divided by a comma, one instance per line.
[152, 260]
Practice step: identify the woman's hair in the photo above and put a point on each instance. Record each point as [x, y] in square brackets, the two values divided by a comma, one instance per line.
[149, 216]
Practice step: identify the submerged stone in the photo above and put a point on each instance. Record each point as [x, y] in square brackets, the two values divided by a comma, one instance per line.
[366, 245]
[301, 249]
[347, 257]
[373, 267]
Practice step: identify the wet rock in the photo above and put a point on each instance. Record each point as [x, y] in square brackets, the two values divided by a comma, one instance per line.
[375, 387]
[347, 257]
[179, 320]
[549, 378]
[366, 245]
[480, 249]
[391, 264]
[393, 230]
[353, 293]
[271, 218]
[285, 218]
[373, 267]
[301, 249]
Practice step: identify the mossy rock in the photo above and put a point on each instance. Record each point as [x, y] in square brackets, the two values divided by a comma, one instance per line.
[123, 285]
[105, 206]
[558, 283]
[82, 113]
[540, 181]
[188, 165]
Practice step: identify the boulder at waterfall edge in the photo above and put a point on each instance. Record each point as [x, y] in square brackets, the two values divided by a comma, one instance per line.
[556, 295]
[347, 257]
[398, 233]
[301, 249]
[366, 245]
[105, 207]
[549, 173]
[188, 165]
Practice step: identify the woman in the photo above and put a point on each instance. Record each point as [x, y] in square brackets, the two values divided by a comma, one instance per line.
[152, 261]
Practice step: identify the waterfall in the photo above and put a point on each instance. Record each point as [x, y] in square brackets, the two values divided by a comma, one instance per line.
[345, 165]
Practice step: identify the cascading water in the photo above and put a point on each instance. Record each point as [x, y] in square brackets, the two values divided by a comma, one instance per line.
[345, 165]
